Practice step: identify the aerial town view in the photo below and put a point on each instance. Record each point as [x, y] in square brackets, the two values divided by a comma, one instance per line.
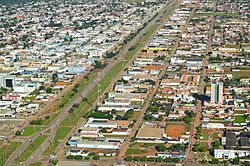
[124, 82]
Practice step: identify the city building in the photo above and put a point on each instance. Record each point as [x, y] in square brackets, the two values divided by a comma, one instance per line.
[217, 93]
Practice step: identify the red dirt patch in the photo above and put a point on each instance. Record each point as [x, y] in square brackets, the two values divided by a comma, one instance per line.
[175, 130]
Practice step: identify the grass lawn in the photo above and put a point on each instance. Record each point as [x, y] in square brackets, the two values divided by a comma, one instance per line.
[7, 150]
[36, 164]
[61, 133]
[215, 135]
[31, 129]
[203, 14]
[232, 46]
[51, 118]
[29, 98]
[204, 145]
[114, 136]
[30, 149]
[225, 14]
[134, 1]
[239, 74]
[132, 151]
[240, 119]
[205, 135]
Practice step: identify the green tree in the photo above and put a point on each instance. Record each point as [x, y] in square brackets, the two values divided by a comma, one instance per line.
[216, 144]
[129, 158]
[96, 158]
[235, 161]
[78, 157]
[214, 161]
[54, 77]
[18, 133]
[70, 157]
[196, 148]
[49, 90]
[176, 160]
[160, 148]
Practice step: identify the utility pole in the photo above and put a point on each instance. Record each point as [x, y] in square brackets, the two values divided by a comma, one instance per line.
[99, 94]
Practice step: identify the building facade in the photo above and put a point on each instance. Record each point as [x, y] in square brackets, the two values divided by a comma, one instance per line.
[217, 93]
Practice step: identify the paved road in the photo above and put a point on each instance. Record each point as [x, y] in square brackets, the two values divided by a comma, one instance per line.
[190, 156]
[53, 126]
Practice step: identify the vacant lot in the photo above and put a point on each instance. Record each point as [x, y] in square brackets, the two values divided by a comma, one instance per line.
[141, 149]
[176, 130]
[239, 74]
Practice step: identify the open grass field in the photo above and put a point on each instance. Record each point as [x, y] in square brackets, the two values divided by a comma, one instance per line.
[240, 119]
[132, 151]
[175, 130]
[7, 150]
[141, 149]
[31, 129]
[239, 74]
[31, 148]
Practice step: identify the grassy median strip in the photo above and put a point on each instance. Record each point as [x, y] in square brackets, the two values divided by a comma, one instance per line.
[70, 95]
[30, 129]
[61, 133]
[7, 150]
[31, 148]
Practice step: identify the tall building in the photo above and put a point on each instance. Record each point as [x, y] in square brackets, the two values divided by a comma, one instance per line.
[217, 93]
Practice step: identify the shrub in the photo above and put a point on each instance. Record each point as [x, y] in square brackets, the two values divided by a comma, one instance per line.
[70, 157]
[151, 159]
[18, 133]
[96, 158]
[176, 160]
[78, 157]
[129, 158]
[159, 159]
[36, 122]
[143, 159]
[160, 148]
[215, 161]
[87, 158]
